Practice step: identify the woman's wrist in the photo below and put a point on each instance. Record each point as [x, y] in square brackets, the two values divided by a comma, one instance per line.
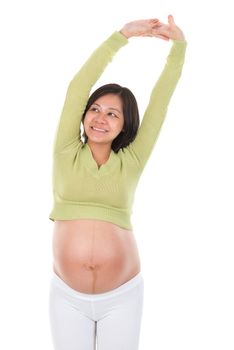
[179, 36]
[125, 33]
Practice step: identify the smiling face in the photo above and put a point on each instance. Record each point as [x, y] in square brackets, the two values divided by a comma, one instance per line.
[104, 120]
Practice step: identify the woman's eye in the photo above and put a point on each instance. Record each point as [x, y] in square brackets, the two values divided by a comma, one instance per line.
[94, 109]
[112, 114]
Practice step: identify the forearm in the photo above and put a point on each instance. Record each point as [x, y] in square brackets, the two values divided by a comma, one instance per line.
[97, 62]
[166, 84]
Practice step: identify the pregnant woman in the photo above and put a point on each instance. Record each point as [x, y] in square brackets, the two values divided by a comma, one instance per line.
[96, 294]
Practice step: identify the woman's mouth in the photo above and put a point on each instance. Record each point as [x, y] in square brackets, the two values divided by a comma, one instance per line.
[98, 129]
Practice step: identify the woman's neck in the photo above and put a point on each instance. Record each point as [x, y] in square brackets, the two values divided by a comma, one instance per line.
[100, 152]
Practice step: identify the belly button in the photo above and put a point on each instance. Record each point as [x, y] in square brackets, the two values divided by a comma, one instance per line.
[91, 267]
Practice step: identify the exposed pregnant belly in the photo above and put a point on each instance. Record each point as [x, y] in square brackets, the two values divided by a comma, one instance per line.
[94, 256]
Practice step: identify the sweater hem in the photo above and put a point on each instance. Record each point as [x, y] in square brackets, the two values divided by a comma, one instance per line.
[74, 212]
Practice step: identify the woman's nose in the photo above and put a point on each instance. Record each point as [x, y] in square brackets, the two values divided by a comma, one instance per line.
[101, 117]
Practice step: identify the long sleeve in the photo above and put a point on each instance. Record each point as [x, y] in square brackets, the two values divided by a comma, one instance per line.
[68, 129]
[160, 97]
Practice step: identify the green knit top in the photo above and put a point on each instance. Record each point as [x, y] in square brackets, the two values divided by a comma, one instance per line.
[81, 189]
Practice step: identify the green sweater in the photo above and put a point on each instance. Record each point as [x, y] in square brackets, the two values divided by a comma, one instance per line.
[81, 190]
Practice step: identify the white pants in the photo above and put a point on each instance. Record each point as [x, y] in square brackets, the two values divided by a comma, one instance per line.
[110, 320]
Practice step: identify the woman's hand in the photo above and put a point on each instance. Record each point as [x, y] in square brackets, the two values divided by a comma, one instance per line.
[168, 31]
[142, 27]
[153, 28]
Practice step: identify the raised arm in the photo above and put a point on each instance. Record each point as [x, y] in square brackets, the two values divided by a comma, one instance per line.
[67, 135]
[162, 92]
[160, 97]
[68, 129]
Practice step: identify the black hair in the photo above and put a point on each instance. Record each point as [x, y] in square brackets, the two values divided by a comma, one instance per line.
[130, 112]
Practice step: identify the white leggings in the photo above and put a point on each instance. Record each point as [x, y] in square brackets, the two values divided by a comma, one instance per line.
[105, 321]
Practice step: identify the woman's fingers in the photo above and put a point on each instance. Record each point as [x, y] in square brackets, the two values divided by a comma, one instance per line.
[162, 37]
[171, 20]
[161, 30]
[158, 25]
[153, 20]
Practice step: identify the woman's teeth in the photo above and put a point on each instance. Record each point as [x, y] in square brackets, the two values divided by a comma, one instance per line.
[97, 129]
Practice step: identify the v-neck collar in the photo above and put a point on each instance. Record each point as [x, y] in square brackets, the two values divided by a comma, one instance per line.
[92, 164]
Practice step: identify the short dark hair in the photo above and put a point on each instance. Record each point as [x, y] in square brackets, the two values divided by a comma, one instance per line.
[130, 112]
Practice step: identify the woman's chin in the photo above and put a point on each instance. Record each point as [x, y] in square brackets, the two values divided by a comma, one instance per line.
[98, 137]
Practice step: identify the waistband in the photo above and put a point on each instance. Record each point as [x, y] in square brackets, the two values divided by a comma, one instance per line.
[133, 282]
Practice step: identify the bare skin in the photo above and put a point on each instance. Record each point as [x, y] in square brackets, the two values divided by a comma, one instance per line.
[153, 28]
[95, 256]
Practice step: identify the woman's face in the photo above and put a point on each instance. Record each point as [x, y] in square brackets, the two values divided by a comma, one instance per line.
[104, 119]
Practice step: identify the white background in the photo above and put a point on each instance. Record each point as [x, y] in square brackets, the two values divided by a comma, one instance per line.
[183, 211]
